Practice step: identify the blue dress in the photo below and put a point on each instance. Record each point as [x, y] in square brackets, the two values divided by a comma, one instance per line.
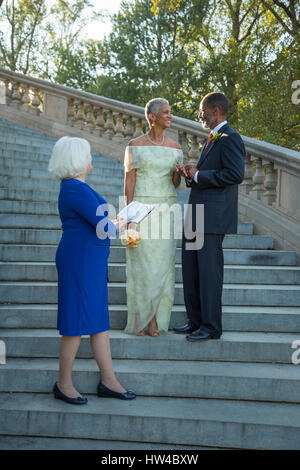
[81, 260]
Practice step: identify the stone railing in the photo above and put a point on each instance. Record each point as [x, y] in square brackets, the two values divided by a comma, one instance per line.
[272, 173]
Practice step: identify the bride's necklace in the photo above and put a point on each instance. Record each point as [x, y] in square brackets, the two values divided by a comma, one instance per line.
[161, 143]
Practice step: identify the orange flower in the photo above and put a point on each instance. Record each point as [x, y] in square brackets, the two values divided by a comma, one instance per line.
[130, 238]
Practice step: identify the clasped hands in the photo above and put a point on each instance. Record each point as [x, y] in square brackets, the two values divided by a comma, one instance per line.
[188, 171]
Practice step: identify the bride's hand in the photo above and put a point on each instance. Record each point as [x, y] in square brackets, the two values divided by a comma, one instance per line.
[181, 170]
[120, 223]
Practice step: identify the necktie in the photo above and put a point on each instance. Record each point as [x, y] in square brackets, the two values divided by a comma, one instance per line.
[209, 139]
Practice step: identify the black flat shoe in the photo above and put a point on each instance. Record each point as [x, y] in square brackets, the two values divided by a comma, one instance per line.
[202, 335]
[74, 401]
[184, 329]
[107, 392]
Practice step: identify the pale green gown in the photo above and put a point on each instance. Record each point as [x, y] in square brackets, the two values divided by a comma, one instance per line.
[150, 267]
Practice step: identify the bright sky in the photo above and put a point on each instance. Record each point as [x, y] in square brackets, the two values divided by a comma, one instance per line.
[97, 30]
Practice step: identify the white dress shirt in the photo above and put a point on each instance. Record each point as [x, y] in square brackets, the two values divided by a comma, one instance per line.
[214, 131]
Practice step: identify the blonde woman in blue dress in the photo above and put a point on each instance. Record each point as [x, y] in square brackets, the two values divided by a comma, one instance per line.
[151, 177]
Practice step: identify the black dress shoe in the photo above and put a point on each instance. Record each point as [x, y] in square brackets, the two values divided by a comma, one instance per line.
[74, 401]
[184, 329]
[107, 392]
[199, 335]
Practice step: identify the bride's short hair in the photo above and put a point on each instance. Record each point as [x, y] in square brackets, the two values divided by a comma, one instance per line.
[153, 106]
[70, 157]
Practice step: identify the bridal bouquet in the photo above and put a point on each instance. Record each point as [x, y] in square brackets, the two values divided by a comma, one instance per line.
[130, 238]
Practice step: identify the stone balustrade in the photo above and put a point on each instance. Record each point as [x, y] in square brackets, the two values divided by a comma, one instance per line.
[272, 173]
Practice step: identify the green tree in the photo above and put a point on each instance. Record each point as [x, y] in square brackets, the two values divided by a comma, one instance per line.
[146, 55]
[67, 55]
[250, 51]
[287, 14]
[20, 23]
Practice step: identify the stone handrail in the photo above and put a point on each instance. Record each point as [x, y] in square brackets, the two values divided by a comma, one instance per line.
[272, 173]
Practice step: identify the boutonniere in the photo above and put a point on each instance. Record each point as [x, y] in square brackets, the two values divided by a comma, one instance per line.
[216, 137]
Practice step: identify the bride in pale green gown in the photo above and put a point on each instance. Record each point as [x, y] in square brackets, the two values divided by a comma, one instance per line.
[151, 177]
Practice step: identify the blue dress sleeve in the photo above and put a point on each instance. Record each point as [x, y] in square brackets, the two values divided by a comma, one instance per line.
[84, 203]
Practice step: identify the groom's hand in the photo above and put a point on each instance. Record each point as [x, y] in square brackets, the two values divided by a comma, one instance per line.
[181, 170]
[191, 170]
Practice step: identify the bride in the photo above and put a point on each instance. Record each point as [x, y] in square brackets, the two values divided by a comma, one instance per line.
[151, 178]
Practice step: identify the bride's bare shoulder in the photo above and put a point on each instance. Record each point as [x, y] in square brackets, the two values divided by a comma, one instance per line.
[172, 143]
[141, 140]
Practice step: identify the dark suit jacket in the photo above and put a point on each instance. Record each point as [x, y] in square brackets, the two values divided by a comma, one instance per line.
[221, 170]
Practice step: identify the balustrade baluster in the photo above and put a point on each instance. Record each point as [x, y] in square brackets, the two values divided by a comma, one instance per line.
[128, 131]
[71, 114]
[183, 141]
[100, 123]
[247, 183]
[16, 95]
[193, 155]
[270, 183]
[35, 101]
[25, 100]
[119, 127]
[258, 178]
[80, 115]
[90, 118]
[138, 127]
[109, 125]
[8, 92]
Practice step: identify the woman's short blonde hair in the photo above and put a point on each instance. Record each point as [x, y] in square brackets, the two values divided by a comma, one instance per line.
[70, 157]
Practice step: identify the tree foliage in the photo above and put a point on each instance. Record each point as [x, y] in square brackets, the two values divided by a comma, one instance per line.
[65, 55]
[250, 51]
[146, 55]
[19, 26]
[177, 49]
[46, 39]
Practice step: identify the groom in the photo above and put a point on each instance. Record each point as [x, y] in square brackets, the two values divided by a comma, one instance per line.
[214, 183]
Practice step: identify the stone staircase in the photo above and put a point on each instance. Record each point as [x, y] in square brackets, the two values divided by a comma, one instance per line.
[240, 392]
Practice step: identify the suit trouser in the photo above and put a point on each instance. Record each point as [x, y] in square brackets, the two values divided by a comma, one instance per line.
[203, 272]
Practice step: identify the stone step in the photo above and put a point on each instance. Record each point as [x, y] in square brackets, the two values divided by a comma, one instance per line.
[27, 141]
[184, 421]
[34, 155]
[34, 147]
[51, 196]
[40, 170]
[231, 256]
[9, 160]
[39, 253]
[42, 207]
[48, 237]
[33, 168]
[48, 182]
[8, 127]
[35, 221]
[11, 127]
[233, 294]
[233, 346]
[14, 135]
[234, 274]
[190, 379]
[235, 318]
[53, 443]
